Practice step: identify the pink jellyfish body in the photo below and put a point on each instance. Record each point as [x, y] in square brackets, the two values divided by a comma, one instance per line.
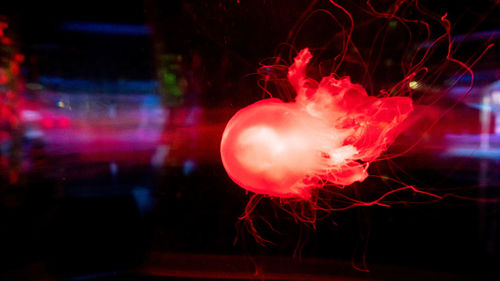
[329, 134]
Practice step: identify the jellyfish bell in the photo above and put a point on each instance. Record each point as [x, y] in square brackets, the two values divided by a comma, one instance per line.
[270, 147]
[329, 134]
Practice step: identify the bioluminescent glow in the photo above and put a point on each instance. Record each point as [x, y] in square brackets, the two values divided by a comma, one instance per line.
[328, 135]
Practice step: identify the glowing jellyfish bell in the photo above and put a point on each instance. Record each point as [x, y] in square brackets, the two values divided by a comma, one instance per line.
[329, 134]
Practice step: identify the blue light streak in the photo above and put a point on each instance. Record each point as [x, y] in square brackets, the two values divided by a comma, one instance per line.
[107, 28]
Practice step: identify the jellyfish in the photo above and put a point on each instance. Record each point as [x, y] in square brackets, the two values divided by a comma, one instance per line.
[328, 135]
